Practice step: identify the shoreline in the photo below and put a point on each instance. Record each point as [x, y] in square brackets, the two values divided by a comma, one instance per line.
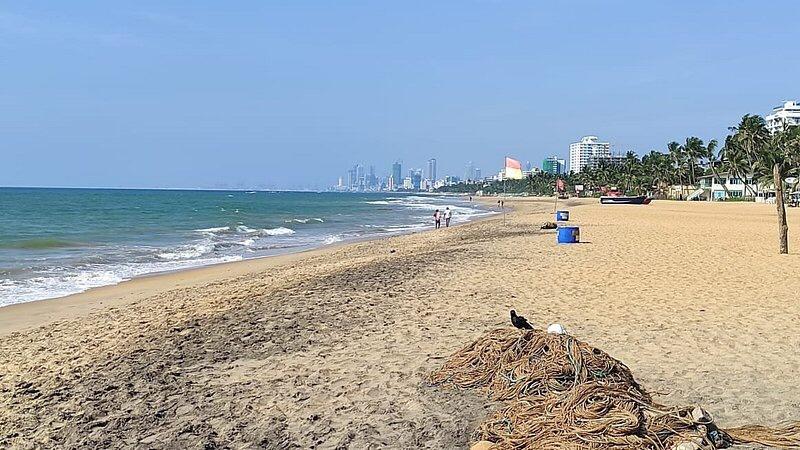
[25, 315]
[330, 348]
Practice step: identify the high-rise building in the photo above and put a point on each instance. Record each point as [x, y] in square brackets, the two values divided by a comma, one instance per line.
[360, 177]
[397, 175]
[477, 174]
[788, 114]
[416, 179]
[588, 151]
[372, 180]
[554, 165]
[432, 170]
[469, 172]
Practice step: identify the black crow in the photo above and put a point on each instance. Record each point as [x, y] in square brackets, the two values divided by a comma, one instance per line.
[519, 321]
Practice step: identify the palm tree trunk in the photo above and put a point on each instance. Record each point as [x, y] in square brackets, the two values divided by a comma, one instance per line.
[724, 185]
[748, 188]
[783, 229]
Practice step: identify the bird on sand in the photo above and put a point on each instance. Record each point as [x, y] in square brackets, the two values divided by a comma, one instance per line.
[519, 321]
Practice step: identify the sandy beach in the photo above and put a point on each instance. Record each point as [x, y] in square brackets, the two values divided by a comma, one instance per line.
[328, 348]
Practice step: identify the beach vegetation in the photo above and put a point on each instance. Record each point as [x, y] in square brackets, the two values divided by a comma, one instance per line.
[750, 154]
[771, 158]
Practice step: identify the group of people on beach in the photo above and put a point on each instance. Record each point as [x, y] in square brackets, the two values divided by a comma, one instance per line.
[437, 217]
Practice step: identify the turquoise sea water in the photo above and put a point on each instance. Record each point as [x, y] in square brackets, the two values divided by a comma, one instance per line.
[56, 242]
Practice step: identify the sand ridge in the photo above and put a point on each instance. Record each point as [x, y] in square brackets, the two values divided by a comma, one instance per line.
[330, 350]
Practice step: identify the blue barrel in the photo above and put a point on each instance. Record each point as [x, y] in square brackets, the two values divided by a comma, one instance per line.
[562, 216]
[569, 235]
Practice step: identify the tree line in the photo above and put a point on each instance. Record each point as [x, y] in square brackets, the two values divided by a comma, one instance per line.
[749, 153]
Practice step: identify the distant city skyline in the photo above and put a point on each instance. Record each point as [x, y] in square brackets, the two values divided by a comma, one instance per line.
[289, 95]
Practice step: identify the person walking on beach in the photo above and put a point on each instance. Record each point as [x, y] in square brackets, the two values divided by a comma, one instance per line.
[437, 219]
[447, 215]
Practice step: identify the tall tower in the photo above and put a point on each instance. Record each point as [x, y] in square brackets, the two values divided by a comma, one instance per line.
[469, 172]
[397, 174]
[372, 180]
[432, 170]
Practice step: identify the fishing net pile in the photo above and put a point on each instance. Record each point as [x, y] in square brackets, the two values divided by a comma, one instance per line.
[562, 393]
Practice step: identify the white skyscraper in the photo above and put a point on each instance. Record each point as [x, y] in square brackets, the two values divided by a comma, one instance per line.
[432, 170]
[788, 113]
[586, 151]
[469, 173]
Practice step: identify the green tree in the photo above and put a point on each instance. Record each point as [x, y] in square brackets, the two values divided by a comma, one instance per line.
[737, 163]
[676, 152]
[693, 150]
[772, 157]
[631, 165]
[712, 161]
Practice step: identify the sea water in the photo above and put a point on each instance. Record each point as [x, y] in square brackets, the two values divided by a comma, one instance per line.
[56, 242]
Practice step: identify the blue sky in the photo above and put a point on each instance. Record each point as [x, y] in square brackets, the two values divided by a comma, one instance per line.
[290, 93]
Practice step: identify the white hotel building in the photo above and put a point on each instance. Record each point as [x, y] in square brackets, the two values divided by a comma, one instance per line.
[587, 152]
[788, 113]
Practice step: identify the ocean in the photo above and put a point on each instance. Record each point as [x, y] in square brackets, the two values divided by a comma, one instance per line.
[56, 242]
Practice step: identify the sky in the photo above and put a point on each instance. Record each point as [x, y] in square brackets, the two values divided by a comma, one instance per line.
[290, 94]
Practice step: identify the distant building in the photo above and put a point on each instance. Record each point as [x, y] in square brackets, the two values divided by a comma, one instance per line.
[360, 177]
[588, 151]
[788, 113]
[397, 175]
[451, 180]
[372, 180]
[554, 165]
[477, 174]
[726, 185]
[432, 170]
[408, 183]
[595, 161]
[416, 179]
[469, 171]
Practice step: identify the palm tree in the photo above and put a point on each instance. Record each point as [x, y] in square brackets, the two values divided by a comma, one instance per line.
[694, 150]
[774, 157]
[630, 164]
[676, 152]
[733, 157]
[779, 158]
[713, 159]
[751, 134]
[653, 178]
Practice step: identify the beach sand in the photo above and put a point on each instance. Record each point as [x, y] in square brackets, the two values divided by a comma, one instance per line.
[328, 348]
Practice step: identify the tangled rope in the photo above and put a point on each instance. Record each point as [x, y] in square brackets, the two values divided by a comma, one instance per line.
[565, 394]
[781, 437]
[513, 364]
[593, 415]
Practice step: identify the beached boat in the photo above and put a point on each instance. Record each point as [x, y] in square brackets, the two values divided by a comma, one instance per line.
[624, 200]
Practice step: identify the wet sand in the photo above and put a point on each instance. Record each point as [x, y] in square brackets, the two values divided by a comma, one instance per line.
[327, 349]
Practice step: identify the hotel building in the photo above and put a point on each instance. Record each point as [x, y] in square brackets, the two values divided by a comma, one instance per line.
[788, 113]
[587, 152]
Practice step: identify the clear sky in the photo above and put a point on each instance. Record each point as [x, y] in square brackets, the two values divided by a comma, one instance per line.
[290, 93]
